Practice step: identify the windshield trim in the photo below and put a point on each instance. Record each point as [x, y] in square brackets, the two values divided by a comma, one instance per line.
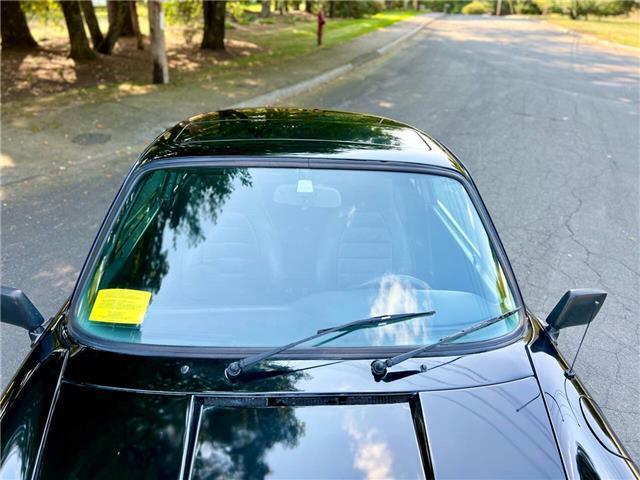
[136, 173]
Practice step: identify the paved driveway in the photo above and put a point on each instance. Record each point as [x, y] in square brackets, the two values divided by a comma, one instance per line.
[547, 124]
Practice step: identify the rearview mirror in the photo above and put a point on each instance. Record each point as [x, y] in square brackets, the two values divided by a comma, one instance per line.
[17, 309]
[576, 307]
[305, 194]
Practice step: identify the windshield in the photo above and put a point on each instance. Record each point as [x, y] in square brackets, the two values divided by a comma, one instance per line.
[257, 257]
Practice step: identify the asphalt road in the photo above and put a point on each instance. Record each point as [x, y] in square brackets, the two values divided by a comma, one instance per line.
[548, 125]
[550, 129]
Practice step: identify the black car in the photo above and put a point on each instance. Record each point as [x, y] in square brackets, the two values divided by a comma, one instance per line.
[300, 294]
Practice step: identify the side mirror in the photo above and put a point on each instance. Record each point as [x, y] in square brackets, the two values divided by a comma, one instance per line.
[17, 309]
[576, 307]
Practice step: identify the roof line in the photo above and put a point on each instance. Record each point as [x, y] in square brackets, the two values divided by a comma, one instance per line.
[286, 139]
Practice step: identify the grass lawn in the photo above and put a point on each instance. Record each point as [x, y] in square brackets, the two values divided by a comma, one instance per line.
[250, 42]
[625, 31]
[299, 37]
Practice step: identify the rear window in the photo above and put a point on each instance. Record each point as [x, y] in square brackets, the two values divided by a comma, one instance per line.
[258, 257]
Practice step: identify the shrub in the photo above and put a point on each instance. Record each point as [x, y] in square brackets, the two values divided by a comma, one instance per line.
[350, 9]
[548, 6]
[527, 7]
[474, 8]
[43, 10]
[451, 6]
[505, 8]
[183, 12]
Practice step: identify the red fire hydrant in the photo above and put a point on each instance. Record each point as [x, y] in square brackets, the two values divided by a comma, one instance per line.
[321, 23]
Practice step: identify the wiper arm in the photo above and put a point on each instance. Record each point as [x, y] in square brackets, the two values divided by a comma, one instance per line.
[235, 369]
[379, 367]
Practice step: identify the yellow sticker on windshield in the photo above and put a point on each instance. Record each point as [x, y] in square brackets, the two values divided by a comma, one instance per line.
[121, 306]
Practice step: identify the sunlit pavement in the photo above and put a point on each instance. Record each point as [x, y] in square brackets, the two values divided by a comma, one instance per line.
[547, 124]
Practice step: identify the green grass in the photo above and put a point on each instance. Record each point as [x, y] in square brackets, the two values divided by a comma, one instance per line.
[625, 31]
[285, 41]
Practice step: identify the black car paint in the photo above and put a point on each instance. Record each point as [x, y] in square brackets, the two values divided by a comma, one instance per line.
[76, 411]
[110, 413]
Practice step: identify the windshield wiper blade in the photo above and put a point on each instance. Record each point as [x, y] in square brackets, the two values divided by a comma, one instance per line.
[235, 369]
[379, 367]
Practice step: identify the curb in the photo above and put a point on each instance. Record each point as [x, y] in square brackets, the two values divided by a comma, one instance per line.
[292, 90]
[284, 92]
[407, 35]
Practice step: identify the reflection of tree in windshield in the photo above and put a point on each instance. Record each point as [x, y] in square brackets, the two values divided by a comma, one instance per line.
[233, 442]
[178, 201]
[137, 427]
[275, 130]
[276, 123]
[197, 195]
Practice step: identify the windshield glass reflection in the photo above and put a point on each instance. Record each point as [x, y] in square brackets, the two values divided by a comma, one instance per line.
[260, 256]
[367, 441]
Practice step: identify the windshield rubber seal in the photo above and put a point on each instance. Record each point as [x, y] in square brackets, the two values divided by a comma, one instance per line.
[84, 338]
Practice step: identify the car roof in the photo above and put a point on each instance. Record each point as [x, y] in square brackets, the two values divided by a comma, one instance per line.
[305, 133]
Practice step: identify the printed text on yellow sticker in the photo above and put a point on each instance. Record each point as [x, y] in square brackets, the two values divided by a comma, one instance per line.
[119, 305]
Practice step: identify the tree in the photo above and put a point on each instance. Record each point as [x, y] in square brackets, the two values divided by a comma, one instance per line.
[283, 6]
[92, 22]
[130, 23]
[156, 36]
[308, 6]
[214, 14]
[116, 21]
[135, 24]
[129, 26]
[113, 10]
[15, 30]
[266, 9]
[80, 49]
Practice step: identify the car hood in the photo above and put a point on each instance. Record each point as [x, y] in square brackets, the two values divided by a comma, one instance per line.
[490, 431]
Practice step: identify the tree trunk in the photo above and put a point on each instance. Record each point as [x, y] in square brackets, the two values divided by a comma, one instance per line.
[136, 25]
[80, 49]
[266, 9]
[213, 36]
[14, 28]
[92, 22]
[116, 22]
[573, 13]
[511, 11]
[156, 36]
[308, 6]
[332, 8]
[128, 24]
[128, 27]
